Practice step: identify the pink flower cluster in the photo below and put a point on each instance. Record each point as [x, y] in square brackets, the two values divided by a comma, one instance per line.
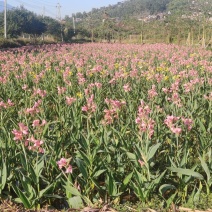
[144, 122]
[6, 105]
[35, 108]
[127, 88]
[152, 92]
[81, 79]
[41, 93]
[23, 132]
[88, 91]
[70, 100]
[34, 144]
[36, 123]
[171, 121]
[61, 90]
[65, 163]
[112, 113]
[91, 106]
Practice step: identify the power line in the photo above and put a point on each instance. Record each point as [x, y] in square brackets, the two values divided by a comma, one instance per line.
[58, 6]
[43, 3]
[28, 5]
[38, 5]
[33, 6]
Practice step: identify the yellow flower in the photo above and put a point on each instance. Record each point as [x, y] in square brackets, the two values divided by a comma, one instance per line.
[116, 65]
[79, 94]
[103, 72]
[79, 69]
[176, 77]
[166, 78]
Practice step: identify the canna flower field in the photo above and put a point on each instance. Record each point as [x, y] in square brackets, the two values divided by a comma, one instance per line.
[85, 124]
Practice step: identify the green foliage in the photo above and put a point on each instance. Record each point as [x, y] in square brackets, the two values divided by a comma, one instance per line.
[21, 21]
[84, 124]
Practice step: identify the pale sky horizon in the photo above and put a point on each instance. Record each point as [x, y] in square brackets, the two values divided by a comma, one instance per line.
[68, 7]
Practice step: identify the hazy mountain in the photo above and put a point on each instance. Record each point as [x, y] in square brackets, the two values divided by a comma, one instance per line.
[143, 8]
[9, 7]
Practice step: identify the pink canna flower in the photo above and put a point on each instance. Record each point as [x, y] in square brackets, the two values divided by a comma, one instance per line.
[70, 100]
[110, 115]
[36, 123]
[165, 90]
[152, 92]
[141, 162]
[41, 93]
[44, 122]
[10, 103]
[34, 109]
[62, 163]
[2, 104]
[91, 106]
[61, 90]
[69, 169]
[187, 122]
[98, 85]
[85, 108]
[144, 122]
[37, 143]
[176, 130]
[23, 128]
[81, 79]
[169, 121]
[127, 88]
[34, 144]
[24, 87]
[18, 135]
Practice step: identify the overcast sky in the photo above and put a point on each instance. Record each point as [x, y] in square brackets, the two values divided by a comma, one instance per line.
[48, 7]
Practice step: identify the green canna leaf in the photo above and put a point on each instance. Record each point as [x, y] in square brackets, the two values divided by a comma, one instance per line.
[3, 176]
[205, 167]
[23, 198]
[85, 158]
[153, 149]
[81, 166]
[131, 156]
[166, 187]
[45, 190]
[187, 172]
[75, 202]
[98, 173]
[127, 179]
[72, 190]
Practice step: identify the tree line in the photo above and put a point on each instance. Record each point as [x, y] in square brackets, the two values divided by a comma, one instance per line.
[173, 21]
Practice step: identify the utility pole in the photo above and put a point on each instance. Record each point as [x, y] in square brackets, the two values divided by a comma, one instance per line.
[5, 19]
[58, 6]
[73, 22]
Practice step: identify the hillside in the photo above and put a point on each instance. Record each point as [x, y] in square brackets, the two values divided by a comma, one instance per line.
[178, 21]
[141, 21]
[143, 8]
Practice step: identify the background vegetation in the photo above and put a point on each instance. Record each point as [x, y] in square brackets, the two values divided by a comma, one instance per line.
[137, 21]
